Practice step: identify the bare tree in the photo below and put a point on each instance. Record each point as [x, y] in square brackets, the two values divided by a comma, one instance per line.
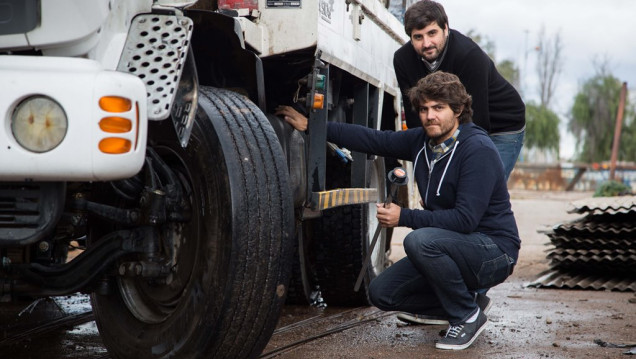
[549, 65]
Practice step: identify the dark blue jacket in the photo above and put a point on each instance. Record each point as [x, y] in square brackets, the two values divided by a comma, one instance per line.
[464, 191]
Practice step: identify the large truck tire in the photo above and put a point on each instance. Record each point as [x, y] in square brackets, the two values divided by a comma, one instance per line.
[230, 282]
[341, 239]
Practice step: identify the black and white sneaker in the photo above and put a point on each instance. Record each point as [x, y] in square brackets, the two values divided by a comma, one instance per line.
[462, 336]
[483, 302]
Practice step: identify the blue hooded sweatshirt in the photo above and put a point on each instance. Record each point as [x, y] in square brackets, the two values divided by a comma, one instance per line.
[463, 191]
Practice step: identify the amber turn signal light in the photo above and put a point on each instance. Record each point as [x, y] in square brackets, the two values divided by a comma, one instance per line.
[115, 124]
[319, 101]
[114, 145]
[115, 104]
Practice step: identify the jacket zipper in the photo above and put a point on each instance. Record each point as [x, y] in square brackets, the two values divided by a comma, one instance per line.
[430, 166]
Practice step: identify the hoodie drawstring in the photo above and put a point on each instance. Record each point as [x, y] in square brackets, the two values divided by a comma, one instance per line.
[418, 156]
[446, 167]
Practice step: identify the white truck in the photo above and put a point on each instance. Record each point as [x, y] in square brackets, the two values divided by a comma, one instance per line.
[143, 131]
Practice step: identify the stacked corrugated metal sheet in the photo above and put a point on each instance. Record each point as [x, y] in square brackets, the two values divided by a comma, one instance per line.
[597, 251]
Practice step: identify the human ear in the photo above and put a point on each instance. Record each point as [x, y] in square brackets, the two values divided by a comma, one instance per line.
[460, 111]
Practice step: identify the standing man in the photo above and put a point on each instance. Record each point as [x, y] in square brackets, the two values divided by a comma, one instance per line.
[497, 106]
[466, 237]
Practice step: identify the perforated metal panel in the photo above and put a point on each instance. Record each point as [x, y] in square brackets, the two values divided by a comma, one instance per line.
[155, 51]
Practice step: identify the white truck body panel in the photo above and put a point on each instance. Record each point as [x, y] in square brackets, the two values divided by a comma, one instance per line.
[69, 27]
[93, 29]
[78, 157]
[359, 38]
[96, 31]
[362, 41]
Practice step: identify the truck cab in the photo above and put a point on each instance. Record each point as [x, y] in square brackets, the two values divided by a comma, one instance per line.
[145, 132]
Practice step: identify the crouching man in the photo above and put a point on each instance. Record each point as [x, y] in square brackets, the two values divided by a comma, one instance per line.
[466, 238]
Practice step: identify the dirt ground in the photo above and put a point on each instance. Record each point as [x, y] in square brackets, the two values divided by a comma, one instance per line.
[524, 322]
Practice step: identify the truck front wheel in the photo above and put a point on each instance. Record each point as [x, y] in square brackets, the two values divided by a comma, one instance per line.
[231, 260]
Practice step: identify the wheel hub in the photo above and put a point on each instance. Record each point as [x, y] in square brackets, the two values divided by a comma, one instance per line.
[156, 288]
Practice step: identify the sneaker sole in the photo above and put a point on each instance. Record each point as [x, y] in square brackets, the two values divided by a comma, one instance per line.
[463, 346]
[410, 319]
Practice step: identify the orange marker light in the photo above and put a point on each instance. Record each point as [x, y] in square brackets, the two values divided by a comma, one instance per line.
[115, 124]
[115, 104]
[114, 145]
[319, 101]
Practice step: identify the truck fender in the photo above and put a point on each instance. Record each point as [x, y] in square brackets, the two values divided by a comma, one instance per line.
[221, 58]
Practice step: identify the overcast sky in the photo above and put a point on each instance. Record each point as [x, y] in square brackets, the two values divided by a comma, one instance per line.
[588, 28]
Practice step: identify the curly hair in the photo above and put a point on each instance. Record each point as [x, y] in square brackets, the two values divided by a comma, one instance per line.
[443, 87]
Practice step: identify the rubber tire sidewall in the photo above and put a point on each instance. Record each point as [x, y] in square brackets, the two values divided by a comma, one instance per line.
[238, 285]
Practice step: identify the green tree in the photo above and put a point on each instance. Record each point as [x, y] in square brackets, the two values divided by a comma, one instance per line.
[593, 119]
[542, 128]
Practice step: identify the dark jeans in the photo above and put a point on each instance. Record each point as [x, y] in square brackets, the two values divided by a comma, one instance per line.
[440, 274]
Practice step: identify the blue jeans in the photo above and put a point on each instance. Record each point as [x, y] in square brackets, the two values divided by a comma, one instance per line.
[509, 147]
[440, 274]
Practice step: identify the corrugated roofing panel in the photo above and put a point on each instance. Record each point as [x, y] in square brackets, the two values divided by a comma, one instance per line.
[591, 242]
[604, 229]
[603, 262]
[621, 204]
[558, 279]
[597, 251]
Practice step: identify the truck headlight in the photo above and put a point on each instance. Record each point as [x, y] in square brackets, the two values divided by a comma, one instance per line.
[39, 123]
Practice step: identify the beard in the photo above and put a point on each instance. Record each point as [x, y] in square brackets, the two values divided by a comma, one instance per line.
[441, 135]
[430, 56]
[432, 53]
